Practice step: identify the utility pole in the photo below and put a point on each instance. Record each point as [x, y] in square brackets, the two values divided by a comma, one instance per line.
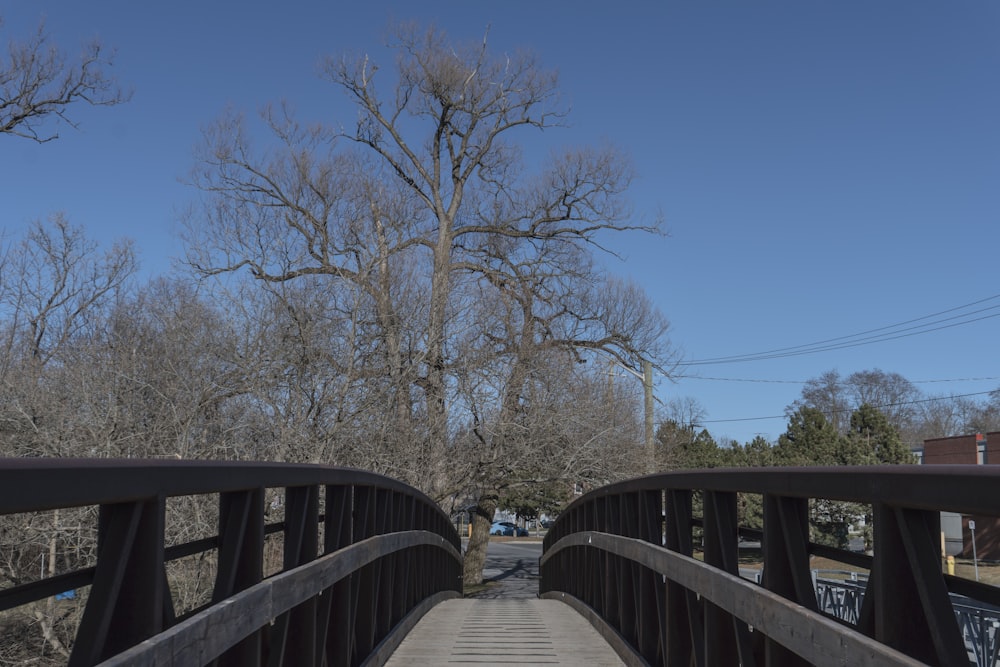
[647, 385]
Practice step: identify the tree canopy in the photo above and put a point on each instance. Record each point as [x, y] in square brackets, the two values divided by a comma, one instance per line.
[464, 279]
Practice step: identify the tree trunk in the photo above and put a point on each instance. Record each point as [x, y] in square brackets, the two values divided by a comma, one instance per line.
[475, 555]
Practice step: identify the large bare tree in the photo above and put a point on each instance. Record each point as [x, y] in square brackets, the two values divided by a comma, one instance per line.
[447, 255]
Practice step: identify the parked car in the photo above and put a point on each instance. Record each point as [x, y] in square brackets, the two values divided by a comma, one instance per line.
[506, 528]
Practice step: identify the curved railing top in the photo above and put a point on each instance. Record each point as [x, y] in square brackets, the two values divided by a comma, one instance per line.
[612, 550]
[969, 489]
[35, 484]
[357, 559]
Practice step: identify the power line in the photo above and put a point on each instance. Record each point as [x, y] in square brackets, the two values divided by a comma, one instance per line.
[762, 381]
[700, 377]
[878, 335]
[843, 346]
[955, 380]
[877, 407]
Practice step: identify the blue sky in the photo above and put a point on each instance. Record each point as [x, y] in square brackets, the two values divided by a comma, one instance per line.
[824, 168]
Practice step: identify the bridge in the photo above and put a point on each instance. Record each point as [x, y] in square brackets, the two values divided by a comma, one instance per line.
[317, 565]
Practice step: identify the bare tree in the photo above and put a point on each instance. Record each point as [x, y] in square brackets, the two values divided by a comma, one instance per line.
[686, 412]
[57, 285]
[38, 82]
[57, 290]
[828, 394]
[538, 302]
[892, 394]
[947, 416]
[442, 250]
[56, 278]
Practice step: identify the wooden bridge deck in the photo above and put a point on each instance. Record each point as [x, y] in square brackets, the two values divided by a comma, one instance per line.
[503, 632]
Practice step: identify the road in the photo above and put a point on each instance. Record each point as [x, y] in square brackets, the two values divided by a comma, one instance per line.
[511, 569]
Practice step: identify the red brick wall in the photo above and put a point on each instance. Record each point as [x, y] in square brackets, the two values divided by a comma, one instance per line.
[993, 448]
[987, 538]
[960, 449]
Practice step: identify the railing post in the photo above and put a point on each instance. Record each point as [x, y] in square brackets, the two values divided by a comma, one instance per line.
[727, 639]
[293, 635]
[336, 620]
[241, 562]
[602, 593]
[386, 567]
[364, 582]
[128, 591]
[593, 583]
[628, 578]
[684, 614]
[403, 518]
[652, 603]
[786, 565]
[906, 575]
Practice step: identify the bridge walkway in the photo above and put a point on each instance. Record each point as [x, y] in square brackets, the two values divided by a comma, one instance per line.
[505, 623]
[503, 632]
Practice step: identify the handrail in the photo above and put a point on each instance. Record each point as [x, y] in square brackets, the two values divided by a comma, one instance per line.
[622, 554]
[388, 553]
[222, 624]
[931, 487]
[29, 485]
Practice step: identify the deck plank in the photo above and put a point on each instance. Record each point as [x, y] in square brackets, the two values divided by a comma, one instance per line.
[503, 632]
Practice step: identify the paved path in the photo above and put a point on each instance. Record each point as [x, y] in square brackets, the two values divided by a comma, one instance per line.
[503, 632]
[506, 623]
[511, 570]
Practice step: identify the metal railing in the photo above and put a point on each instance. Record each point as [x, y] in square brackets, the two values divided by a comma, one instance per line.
[623, 556]
[842, 596]
[361, 558]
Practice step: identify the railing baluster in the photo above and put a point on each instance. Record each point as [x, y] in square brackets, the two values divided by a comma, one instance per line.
[363, 590]
[128, 588]
[652, 609]
[295, 632]
[336, 604]
[727, 639]
[786, 564]
[684, 627]
[241, 562]
[385, 569]
[906, 574]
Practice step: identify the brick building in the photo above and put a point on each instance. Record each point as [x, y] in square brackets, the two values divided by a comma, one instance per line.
[975, 449]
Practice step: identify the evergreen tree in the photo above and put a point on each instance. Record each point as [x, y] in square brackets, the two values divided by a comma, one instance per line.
[809, 440]
[812, 440]
[877, 438]
[757, 453]
[701, 452]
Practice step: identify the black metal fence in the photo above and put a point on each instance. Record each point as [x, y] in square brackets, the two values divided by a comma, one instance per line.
[841, 594]
[623, 556]
[361, 558]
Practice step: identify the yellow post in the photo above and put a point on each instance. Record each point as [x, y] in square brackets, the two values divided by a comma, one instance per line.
[950, 560]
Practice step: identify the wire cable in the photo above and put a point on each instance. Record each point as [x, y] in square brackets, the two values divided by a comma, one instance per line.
[877, 407]
[761, 381]
[877, 335]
